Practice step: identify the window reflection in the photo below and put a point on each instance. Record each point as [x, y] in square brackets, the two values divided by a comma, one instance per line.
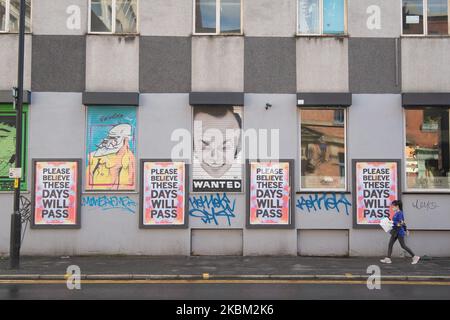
[437, 17]
[309, 16]
[101, 15]
[2, 15]
[427, 148]
[230, 16]
[126, 16]
[322, 148]
[412, 16]
[14, 15]
[333, 16]
[205, 16]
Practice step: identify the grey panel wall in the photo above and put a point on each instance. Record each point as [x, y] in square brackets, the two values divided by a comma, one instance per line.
[58, 63]
[9, 46]
[62, 17]
[281, 116]
[260, 20]
[112, 63]
[166, 17]
[217, 242]
[374, 18]
[425, 65]
[270, 242]
[323, 242]
[217, 64]
[322, 64]
[375, 127]
[427, 211]
[374, 65]
[323, 211]
[165, 64]
[269, 65]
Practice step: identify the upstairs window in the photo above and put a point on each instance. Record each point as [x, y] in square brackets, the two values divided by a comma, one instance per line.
[322, 17]
[217, 17]
[113, 16]
[10, 16]
[425, 17]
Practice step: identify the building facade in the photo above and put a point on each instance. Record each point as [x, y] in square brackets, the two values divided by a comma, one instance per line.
[333, 81]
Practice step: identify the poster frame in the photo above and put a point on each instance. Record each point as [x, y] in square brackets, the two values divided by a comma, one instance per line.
[77, 225]
[355, 188]
[291, 224]
[141, 196]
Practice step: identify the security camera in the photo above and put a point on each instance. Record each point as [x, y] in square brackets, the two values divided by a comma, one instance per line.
[268, 105]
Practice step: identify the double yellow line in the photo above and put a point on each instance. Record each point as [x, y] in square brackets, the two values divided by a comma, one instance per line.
[294, 282]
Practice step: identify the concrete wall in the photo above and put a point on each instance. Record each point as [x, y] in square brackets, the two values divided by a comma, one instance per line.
[322, 65]
[9, 46]
[365, 20]
[112, 63]
[425, 65]
[259, 20]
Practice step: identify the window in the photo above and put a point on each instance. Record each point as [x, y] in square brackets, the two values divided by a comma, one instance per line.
[425, 17]
[10, 15]
[8, 146]
[322, 17]
[323, 149]
[113, 16]
[427, 149]
[111, 148]
[217, 17]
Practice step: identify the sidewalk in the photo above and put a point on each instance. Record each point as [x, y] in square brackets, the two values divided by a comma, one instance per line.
[219, 267]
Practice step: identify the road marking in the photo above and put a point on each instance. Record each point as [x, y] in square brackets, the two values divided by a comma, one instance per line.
[344, 282]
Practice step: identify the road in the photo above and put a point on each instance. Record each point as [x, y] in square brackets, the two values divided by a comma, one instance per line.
[223, 290]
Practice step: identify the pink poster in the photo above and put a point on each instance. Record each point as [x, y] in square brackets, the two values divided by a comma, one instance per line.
[376, 188]
[270, 193]
[56, 193]
[164, 193]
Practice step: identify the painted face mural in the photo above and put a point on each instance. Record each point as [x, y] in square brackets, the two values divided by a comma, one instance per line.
[217, 148]
[111, 148]
[7, 145]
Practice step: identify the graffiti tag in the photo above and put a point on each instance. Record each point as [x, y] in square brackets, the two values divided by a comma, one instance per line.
[210, 207]
[110, 203]
[427, 205]
[315, 202]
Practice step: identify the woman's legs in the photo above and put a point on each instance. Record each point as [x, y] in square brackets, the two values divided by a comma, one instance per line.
[402, 243]
[391, 244]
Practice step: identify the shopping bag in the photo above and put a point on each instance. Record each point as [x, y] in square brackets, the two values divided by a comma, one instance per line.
[386, 224]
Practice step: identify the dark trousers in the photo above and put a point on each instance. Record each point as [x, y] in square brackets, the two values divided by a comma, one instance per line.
[394, 238]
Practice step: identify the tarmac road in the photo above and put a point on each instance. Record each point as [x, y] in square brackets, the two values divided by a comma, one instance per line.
[224, 290]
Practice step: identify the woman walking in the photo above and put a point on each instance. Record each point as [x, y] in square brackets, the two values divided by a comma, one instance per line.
[398, 232]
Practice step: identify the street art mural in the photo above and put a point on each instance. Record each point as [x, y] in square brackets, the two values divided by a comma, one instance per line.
[111, 148]
[7, 144]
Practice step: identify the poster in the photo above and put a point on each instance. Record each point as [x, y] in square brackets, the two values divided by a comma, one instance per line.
[56, 193]
[164, 194]
[271, 194]
[111, 148]
[217, 159]
[376, 185]
[8, 147]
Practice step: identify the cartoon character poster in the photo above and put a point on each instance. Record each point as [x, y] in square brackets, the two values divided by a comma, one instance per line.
[8, 149]
[377, 185]
[270, 193]
[56, 194]
[111, 148]
[164, 193]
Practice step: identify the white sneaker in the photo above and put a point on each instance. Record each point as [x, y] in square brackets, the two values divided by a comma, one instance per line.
[415, 259]
[386, 260]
